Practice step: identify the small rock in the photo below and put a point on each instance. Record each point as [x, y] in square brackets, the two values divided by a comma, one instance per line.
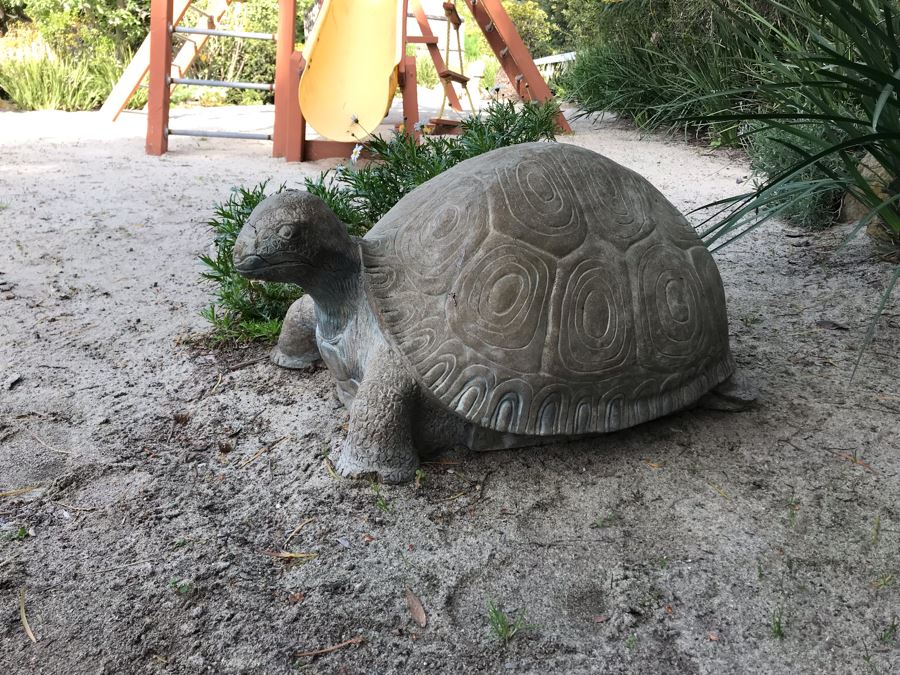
[12, 381]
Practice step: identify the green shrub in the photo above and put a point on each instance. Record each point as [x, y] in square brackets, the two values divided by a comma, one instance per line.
[426, 74]
[774, 151]
[11, 12]
[661, 61]
[57, 84]
[829, 101]
[532, 24]
[79, 28]
[360, 196]
[833, 101]
[242, 310]
[226, 58]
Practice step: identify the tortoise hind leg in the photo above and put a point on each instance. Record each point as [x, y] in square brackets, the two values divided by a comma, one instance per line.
[733, 395]
[297, 343]
[379, 440]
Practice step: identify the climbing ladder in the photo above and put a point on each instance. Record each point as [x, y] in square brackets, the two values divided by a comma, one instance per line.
[161, 68]
[454, 23]
[505, 42]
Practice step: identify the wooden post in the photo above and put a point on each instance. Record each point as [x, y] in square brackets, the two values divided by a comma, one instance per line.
[295, 127]
[160, 63]
[410, 98]
[286, 95]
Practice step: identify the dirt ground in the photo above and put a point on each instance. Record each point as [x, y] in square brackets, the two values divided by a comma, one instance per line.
[154, 479]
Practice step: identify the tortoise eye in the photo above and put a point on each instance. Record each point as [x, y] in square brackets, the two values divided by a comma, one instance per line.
[286, 231]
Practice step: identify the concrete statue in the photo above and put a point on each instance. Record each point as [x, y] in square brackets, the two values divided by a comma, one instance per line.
[539, 292]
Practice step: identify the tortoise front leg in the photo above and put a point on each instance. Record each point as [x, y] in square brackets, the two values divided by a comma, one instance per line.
[379, 440]
[297, 343]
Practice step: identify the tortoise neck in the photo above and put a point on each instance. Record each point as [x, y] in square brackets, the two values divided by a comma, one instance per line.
[336, 290]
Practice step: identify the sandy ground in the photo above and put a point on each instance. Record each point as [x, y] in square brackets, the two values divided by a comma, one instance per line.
[162, 479]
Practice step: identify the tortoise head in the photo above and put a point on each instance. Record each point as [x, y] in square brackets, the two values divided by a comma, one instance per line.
[293, 236]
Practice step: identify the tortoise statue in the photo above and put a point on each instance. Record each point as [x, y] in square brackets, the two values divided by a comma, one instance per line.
[537, 292]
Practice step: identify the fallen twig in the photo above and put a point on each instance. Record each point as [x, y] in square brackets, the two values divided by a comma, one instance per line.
[76, 508]
[244, 364]
[260, 453]
[23, 617]
[359, 639]
[46, 445]
[291, 555]
[296, 530]
[19, 491]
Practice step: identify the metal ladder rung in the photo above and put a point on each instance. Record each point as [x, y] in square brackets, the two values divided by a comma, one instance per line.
[224, 33]
[219, 134]
[257, 86]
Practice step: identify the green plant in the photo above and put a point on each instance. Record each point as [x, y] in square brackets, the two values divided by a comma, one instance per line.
[11, 12]
[843, 77]
[771, 153]
[659, 62]
[88, 28]
[17, 534]
[225, 58]
[504, 628]
[793, 506]
[360, 196]
[242, 310]
[182, 586]
[426, 75]
[889, 634]
[776, 624]
[609, 520]
[489, 76]
[47, 83]
[631, 641]
[532, 24]
[380, 500]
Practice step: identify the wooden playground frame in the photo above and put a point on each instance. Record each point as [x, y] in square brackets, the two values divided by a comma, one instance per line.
[155, 59]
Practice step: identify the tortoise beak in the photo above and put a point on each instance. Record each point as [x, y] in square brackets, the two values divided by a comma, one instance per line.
[248, 264]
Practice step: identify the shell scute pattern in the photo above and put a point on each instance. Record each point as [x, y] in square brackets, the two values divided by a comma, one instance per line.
[543, 289]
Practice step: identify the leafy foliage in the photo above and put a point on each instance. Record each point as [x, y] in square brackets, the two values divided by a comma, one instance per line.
[242, 310]
[225, 58]
[360, 196]
[830, 100]
[11, 12]
[79, 28]
[532, 23]
[45, 83]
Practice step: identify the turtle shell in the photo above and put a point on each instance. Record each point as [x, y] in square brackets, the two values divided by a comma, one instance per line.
[543, 289]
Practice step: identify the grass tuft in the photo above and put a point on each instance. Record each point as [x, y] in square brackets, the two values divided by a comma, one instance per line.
[503, 626]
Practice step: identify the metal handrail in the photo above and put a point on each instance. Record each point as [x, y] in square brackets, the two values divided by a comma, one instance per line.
[224, 33]
[257, 86]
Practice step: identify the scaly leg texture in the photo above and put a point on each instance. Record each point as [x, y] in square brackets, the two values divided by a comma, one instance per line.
[379, 440]
[297, 343]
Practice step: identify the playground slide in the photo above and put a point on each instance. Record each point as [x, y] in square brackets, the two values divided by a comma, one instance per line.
[351, 58]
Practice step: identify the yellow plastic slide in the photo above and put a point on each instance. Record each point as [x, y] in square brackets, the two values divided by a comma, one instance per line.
[351, 59]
